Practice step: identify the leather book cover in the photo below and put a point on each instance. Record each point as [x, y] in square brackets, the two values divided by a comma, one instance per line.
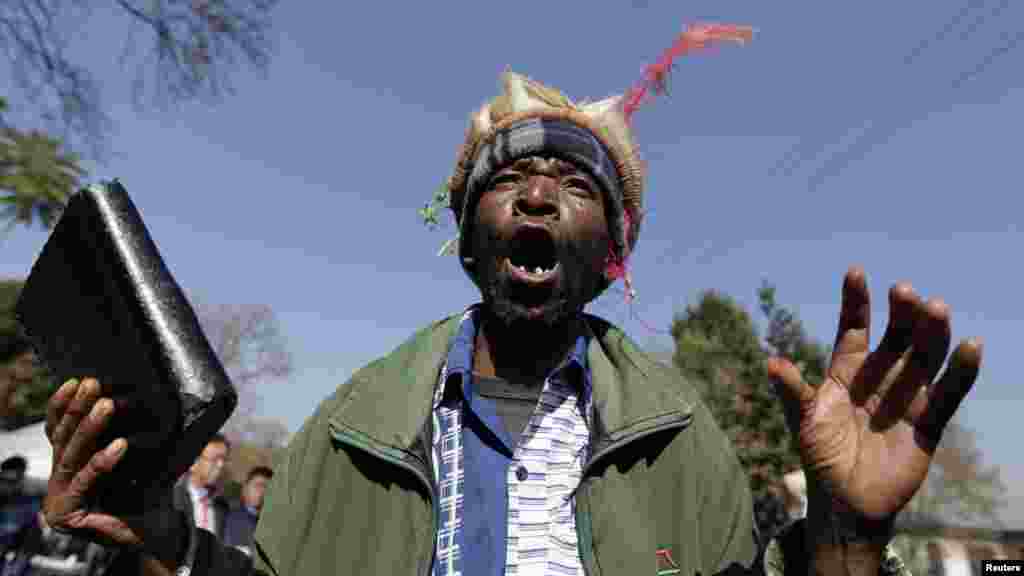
[100, 302]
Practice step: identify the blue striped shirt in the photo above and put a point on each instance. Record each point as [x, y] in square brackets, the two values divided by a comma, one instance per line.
[507, 509]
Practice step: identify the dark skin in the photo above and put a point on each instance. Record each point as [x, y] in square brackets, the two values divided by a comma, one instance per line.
[866, 434]
[521, 320]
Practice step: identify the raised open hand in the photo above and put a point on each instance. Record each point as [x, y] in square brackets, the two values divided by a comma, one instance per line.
[867, 434]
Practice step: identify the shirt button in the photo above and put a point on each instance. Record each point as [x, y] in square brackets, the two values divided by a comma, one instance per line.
[522, 473]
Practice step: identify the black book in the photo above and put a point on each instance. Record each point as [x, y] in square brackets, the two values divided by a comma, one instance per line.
[99, 302]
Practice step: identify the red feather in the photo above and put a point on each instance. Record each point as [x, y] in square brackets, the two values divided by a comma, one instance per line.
[696, 37]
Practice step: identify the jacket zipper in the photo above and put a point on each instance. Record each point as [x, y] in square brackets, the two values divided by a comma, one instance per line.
[396, 457]
[583, 528]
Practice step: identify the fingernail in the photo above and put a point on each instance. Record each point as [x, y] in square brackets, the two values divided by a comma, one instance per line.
[117, 448]
[68, 385]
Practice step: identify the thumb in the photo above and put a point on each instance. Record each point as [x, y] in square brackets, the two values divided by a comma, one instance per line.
[789, 385]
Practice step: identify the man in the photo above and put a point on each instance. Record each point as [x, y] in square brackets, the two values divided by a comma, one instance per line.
[241, 521]
[19, 530]
[198, 492]
[524, 436]
[17, 510]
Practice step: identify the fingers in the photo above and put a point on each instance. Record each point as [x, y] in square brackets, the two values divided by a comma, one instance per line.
[79, 449]
[853, 334]
[791, 388]
[58, 404]
[87, 393]
[929, 345]
[102, 462]
[946, 395]
[71, 517]
[873, 378]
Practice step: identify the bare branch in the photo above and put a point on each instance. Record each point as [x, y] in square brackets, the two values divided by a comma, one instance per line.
[197, 45]
[249, 343]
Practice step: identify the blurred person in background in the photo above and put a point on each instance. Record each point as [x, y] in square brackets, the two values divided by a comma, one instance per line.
[198, 493]
[19, 530]
[241, 521]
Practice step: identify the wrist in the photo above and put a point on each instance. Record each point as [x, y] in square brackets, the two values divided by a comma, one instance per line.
[840, 540]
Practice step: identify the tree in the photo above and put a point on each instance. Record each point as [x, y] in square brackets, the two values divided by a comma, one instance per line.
[37, 175]
[719, 348]
[248, 341]
[959, 489]
[25, 384]
[195, 47]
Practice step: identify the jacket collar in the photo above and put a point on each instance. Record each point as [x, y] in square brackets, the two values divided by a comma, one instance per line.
[388, 401]
[456, 375]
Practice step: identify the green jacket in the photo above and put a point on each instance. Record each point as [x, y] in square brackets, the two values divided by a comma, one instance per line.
[354, 492]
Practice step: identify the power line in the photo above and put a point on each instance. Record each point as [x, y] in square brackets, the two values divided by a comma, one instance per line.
[938, 37]
[804, 147]
[862, 145]
[991, 57]
[803, 150]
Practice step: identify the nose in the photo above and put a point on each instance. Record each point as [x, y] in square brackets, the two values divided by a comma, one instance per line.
[539, 197]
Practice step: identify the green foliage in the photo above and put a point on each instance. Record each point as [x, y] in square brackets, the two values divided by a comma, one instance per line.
[786, 337]
[10, 343]
[36, 177]
[960, 489]
[718, 346]
[29, 400]
[431, 212]
[196, 47]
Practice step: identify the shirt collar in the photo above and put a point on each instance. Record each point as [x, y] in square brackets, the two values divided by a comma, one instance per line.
[458, 367]
[197, 492]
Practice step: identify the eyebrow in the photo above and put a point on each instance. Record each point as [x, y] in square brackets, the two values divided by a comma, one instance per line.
[564, 167]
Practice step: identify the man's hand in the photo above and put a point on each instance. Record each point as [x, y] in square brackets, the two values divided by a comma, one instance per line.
[867, 434]
[76, 416]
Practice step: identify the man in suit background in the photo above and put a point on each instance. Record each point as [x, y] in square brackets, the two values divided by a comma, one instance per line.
[241, 521]
[198, 492]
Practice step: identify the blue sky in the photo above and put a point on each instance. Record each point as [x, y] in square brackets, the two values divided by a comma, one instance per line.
[301, 190]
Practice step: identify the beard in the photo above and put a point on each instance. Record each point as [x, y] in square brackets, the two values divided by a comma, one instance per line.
[516, 304]
[512, 313]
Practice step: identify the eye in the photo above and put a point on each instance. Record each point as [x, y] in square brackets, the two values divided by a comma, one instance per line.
[505, 179]
[578, 185]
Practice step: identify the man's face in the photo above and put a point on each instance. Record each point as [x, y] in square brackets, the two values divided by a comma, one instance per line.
[209, 467]
[540, 239]
[254, 490]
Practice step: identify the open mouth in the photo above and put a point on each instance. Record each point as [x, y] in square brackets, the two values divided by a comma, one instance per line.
[533, 259]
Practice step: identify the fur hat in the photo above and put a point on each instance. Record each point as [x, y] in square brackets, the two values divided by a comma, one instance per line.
[528, 117]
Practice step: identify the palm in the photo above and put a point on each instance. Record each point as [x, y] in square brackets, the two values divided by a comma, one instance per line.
[867, 433]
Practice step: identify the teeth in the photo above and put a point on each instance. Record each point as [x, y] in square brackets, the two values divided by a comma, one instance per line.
[537, 270]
